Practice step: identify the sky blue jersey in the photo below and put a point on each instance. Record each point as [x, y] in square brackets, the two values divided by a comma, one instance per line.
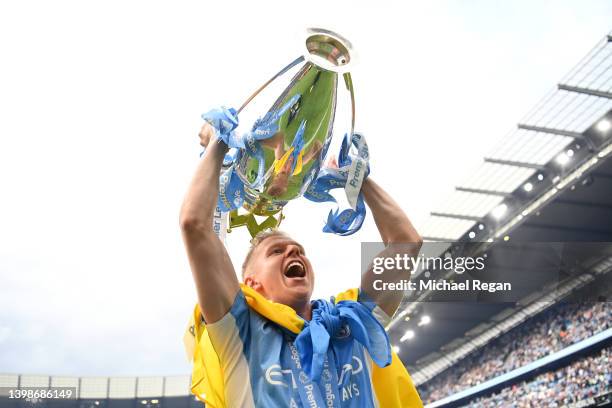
[255, 358]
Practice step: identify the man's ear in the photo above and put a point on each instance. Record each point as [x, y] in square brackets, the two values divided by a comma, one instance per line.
[252, 283]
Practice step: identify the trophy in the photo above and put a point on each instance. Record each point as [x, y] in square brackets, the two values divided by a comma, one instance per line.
[281, 157]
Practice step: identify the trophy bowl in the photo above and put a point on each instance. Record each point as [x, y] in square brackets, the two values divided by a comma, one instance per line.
[279, 166]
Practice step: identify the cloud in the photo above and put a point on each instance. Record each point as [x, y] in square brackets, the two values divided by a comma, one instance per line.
[101, 107]
[5, 333]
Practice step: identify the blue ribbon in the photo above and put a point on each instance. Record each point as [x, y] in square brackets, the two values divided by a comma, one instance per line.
[307, 390]
[348, 221]
[225, 121]
[339, 325]
[231, 190]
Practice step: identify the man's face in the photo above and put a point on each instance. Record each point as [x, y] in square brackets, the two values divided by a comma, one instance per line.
[279, 270]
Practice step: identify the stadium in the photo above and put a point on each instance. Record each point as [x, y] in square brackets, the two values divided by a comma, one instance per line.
[543, 196]
[552, 347]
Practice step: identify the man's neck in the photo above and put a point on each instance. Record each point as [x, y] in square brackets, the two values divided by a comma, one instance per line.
[304, 310]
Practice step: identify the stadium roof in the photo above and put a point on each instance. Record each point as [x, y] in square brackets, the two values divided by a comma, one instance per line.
[550, 179]
[562, 121]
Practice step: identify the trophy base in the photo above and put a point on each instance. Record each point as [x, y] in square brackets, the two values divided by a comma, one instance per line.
[248, 220]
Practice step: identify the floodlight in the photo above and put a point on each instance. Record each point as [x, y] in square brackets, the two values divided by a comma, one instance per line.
[500, 210]
[472, 234]
[528, 187]
[604, 125]
[424, 320]
[408, 335]
[562, 159]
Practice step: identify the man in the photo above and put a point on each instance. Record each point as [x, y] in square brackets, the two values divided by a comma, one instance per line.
[250, 332]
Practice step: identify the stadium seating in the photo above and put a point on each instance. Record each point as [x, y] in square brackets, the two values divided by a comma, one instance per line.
[580, 381]
[551, 331]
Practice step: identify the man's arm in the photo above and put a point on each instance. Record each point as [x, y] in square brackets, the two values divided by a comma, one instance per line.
[213, 273]
[399, 236]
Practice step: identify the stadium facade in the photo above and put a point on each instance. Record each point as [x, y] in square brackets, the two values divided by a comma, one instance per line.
[100, 392]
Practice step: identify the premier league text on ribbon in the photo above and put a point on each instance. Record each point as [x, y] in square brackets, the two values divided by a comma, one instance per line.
[459, 265]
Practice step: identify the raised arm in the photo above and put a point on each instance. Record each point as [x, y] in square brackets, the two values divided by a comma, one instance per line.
[213, 273]
[400, 237]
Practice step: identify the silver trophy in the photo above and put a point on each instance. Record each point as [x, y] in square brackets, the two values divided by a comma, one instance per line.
[303, 115]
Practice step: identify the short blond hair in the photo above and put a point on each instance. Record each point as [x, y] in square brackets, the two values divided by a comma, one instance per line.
[258, 239]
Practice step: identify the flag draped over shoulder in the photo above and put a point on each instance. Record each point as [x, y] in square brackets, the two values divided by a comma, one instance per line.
[392, 384]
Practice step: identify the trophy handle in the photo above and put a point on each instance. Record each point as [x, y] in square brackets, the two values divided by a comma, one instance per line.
[261, 88]
[349, 85]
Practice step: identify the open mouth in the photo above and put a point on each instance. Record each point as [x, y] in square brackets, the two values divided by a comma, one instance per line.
[295, 269]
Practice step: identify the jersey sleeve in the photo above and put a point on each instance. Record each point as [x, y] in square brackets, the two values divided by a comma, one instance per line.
[383, 318]
[230, 338]
[230, 335]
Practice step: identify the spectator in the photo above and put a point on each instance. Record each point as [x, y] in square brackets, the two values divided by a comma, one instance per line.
[550, 331]
[582, 379]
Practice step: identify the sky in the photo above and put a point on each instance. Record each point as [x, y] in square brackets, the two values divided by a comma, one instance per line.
[100, 108]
